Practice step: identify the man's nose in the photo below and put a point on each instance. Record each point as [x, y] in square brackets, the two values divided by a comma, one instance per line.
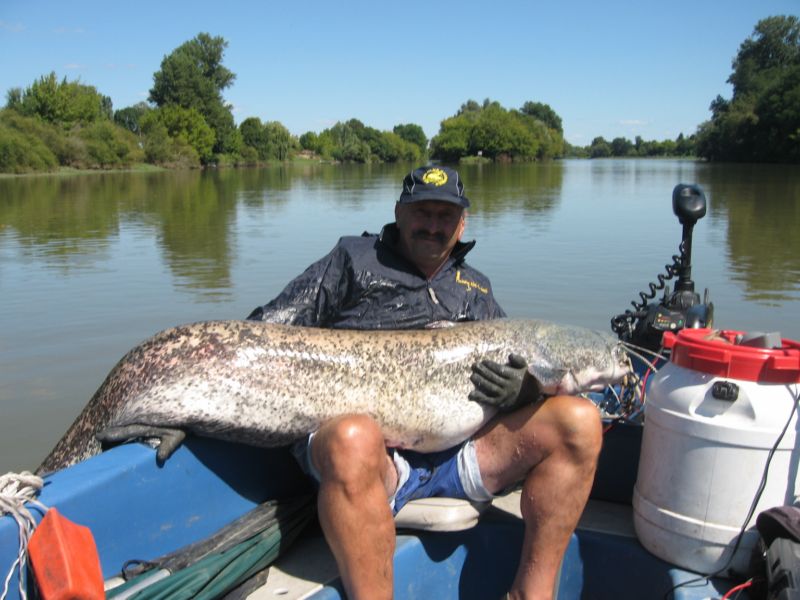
[434, 224]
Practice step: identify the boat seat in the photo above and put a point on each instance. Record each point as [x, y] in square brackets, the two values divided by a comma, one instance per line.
[440, 514]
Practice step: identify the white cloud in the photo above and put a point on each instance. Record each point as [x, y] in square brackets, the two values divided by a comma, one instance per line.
[13, 27]
[633, 122]
[77, 30]
[74, 66]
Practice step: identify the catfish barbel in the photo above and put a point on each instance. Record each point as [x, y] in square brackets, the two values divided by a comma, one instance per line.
[269, 385]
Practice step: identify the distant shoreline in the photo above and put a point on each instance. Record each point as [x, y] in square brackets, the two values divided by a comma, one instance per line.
[150, 168]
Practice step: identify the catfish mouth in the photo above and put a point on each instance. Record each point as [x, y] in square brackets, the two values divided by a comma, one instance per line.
[621, 366]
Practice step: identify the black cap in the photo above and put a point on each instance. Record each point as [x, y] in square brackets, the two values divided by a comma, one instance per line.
[433, 183]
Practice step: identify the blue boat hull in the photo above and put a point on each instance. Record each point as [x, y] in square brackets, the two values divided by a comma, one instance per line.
[139, 510]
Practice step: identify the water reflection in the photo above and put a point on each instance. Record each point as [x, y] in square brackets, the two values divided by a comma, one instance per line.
[55, 218]
[193, 216]
[534, 189]
[760, 204]
[189, 214]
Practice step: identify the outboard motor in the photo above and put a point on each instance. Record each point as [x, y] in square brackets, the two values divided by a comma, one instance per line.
[682, 308]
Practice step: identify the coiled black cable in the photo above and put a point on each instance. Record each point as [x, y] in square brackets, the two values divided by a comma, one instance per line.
[622, 324]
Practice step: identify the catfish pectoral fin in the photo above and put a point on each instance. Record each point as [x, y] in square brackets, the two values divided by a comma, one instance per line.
[169, 438]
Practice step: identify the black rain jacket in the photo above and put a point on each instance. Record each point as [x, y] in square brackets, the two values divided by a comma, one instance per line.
[364, 283]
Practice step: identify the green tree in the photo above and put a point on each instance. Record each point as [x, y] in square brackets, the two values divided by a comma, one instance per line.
[309, 141]
[599, 148]
[761, 122]
[21, 150]
[14, 98]
[684, 146]
[188, 125]
[271, 141]
[621, 146]
[130, 117]
[279, 140]
[157, 143]
[413, 133]
[65, 103]
[778, 113]
[254, 136]
[470, 106]
[497, 133]
[193, 76]
[453, 140]
[177, 135]
[105, 145]
[763, 57]
[544, 113]
[347, 145]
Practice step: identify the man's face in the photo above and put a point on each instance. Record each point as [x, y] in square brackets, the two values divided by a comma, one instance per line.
[428, 231]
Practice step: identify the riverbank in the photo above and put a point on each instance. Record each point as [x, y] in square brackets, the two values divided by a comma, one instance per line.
[303, 157]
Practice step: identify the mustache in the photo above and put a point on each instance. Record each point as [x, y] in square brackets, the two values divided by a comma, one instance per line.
[424, 234]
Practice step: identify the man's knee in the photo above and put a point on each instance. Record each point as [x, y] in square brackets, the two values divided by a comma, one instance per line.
[349, 447]
[579, 426]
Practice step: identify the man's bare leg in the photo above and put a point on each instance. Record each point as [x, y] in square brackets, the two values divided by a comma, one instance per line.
[552, 447]
[357, 477]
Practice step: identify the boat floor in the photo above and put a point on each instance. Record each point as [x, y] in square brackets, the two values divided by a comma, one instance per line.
[604, 560]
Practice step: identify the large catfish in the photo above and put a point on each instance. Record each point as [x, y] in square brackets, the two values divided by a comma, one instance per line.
[269, 385]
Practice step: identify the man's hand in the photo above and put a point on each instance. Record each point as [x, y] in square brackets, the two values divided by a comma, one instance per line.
[498, 385]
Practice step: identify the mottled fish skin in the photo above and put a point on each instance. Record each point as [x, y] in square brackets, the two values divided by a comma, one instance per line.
[269, 385]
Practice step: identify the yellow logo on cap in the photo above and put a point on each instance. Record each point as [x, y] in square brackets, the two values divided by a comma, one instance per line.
[435, 177]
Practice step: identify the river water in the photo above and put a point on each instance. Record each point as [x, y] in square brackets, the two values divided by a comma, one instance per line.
[92, 264]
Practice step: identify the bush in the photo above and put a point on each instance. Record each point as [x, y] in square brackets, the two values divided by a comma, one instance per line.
[32, 128]
[19, 154]
[107, 145]
[64, 103]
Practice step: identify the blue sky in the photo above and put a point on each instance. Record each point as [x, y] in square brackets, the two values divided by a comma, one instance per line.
[610, 68]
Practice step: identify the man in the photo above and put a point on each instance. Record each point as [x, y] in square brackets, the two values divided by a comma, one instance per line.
[412, 275]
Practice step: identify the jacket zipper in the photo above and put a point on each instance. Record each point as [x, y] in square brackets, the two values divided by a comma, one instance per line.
[432, 294]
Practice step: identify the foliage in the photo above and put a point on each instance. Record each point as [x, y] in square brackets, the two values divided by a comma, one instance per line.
[176, 135]
[20, 153]
[489, 130]
[64, 103]
[413, 133]
[355, 142]
[103, 145]
[31, 144]
[130, 117]
[271, 141]
[761, 122]
[599, 148]
[623, 147]
[544, 113]
[34, 130]
[158, 148]
[193, 77]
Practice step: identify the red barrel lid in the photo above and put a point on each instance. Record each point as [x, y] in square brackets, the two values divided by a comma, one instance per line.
[716, 352]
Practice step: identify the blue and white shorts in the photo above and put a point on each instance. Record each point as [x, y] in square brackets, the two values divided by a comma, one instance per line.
[452, 473]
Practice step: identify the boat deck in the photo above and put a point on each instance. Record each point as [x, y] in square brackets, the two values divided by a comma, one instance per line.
[604, 561]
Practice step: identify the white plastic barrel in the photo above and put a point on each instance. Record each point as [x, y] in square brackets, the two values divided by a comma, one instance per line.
[703, 457]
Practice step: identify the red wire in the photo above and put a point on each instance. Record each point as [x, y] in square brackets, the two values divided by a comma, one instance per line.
[738, 588]
[644, 382]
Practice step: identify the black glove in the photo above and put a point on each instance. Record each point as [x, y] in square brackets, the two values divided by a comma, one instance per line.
[496, 384]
